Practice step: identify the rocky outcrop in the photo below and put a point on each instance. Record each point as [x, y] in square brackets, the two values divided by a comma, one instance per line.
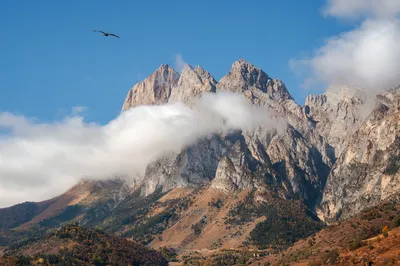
[336, 114]
[194, 165]
[156, 89]
[298, 154]
[235, 169]
[254, 83]
[301, 163]
[331, 154]
[320, 139]
[367, 170]
[193, 82]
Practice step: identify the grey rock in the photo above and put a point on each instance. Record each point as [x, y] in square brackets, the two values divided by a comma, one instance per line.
[336, 114]
[367, 170]
[234, 172]
[156, 89]
[193, 82]
[319, 154]
[194, 165]
[298, 155]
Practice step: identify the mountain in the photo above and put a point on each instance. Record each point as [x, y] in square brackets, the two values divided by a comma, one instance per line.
[156, 89]
[303, 172]
[192, 83]
[75, 245]
[366, 172]
[258, 190]
[368, 238]
[336, 113]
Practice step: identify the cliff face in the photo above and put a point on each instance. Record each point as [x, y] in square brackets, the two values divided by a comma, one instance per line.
[329, 151]
[336, 114]
[156, 89]
[192, 83]
[367, 170]
[331, 157]
[295, 152]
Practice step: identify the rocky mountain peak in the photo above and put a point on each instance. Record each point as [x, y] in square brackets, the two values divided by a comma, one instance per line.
[192, 83]
[244, 75]
[336, 114]
[202, 72]
[249, 79]
[155, 89]
[345, 93]
[278, 90]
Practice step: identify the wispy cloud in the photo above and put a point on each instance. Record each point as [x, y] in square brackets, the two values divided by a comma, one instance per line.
[356, 9]
[76, 110]
[179, 62]
[41, 160]
[366, 57]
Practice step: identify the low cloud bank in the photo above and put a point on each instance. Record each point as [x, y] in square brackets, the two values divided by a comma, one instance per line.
[42, 160]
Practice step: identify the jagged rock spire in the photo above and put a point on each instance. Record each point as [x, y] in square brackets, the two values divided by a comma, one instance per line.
[244, 77]
[155, 89]
[193, 82]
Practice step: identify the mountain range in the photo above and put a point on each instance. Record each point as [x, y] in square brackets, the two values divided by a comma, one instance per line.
[265, 189]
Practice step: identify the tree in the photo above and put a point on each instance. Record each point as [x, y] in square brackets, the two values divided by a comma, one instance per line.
[385, 230]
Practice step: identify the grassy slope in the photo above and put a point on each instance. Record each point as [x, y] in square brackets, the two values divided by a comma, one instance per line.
[207, 225]
[72, 244]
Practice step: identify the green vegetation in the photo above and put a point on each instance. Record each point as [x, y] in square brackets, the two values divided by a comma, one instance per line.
[356, 243]
[69, 213]
[130, 217]
[216, 244]
[169, 253]
[286, 221]
[216, 203]
[143, 228]
[372, 215]
[283, 227]
[19, 214]
[89, 246]
[154, 225]
[199, 225]
[245, 211]
[15, 239]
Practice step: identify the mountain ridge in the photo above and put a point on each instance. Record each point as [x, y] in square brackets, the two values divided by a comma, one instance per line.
[331, 160]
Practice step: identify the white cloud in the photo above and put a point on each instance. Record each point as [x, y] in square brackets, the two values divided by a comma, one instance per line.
[352, 9]
[366, 57]
[179, 62]
[78, 109]
[39, 161]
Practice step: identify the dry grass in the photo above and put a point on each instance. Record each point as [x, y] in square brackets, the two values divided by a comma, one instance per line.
[215, 234]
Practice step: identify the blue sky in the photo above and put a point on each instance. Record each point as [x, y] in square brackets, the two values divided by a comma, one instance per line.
[51, 60]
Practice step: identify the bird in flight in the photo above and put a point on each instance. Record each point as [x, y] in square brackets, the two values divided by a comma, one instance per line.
[106, 34]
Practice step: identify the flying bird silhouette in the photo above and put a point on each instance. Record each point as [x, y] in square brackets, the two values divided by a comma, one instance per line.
[106, 34]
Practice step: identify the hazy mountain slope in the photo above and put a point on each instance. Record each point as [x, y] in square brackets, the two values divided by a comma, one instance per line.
[28, 220]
